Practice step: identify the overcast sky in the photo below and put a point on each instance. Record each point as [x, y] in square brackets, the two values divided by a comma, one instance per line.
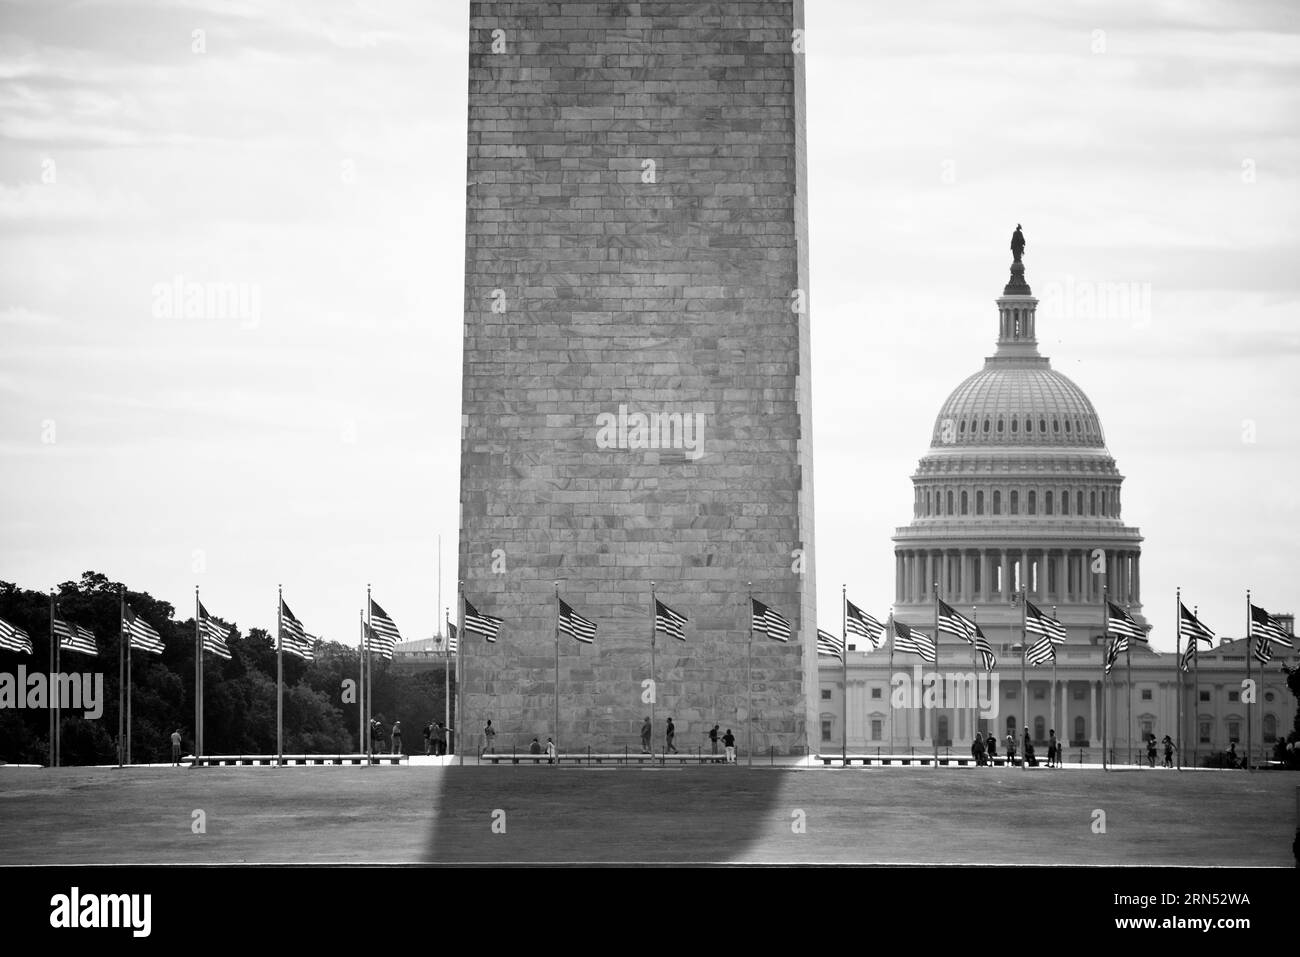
[313, 156]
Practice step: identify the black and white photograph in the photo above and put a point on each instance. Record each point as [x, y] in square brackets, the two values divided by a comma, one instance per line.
[491, 435]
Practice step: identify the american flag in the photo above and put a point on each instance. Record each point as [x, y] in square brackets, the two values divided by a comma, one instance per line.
[1189, 656]
[1118, 643]
[863, 625]
[74, 638]
[1189, 626]
[292, 636]
[985, 648]
[575, 626]
[13, 638]
[1036, 623]
[1041, 652]
[480, 624]
[1263, 650]
[765, 621]
[214, 634]
[1119, 623]
[953, 622]
[829, 645]
[669, 622]
[142, 634]
[1264, 625]
[453, 639]
[384, 635]
[912, 642]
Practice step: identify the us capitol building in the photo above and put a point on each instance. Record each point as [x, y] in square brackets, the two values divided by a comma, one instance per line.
[1018, 491]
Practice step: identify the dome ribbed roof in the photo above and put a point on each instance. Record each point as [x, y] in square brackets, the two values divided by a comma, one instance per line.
[1018, 402]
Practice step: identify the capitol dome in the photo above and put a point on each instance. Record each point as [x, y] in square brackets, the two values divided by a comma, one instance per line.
[1017, 493]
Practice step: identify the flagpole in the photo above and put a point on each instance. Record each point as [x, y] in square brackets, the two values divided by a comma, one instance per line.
[457, 736]
[974, 711]
[121, 676]
[1250, 739]
[1053, 698]
[446, 670]
[130, 694]
[1196, 695]
[891, 681]
[52, 684]
[279, 678]
[654, 675]
[1128, 693]
[361, 682]
[370, 667]
[844, 661]
[933, 722]
[1024, 651]
[1178, 668]
[1105, 675]
[749, 683]
[198, 676]
[556, 724]
[58, 706]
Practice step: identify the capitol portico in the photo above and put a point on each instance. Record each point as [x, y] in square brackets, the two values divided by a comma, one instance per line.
[1018, 492]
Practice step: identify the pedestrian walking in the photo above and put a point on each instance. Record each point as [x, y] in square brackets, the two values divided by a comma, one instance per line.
[1011, 748]
[729, 744]
[397, 737]
[176, 747]
[428, 739]
[1053, 750]
[977, 750]
[713, 738]
[1151, 750]
[1170, 748]
[439, 739]
[550, 751]
[668, 738]
[645, 736]
[489, 738]
[992, 746]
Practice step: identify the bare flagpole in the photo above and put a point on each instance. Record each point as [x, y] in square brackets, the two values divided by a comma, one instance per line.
[933, 723]
[1128, 693]
[361, 683]
[1250, 738]
[446, 670]
[52, 683]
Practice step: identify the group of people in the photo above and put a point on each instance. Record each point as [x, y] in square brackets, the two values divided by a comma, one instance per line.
[985, 748]
[670, 733]
[435, 738]
[1169, 749]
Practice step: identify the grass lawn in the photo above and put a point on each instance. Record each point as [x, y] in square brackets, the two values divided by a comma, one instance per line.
[688, 815]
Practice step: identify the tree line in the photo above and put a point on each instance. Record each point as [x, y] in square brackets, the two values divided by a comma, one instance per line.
[321, 711]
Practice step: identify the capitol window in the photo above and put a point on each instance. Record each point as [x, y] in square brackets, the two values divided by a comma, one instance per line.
[979, 503]
[1015, 425]
[1015, 503]
[1065, 503]
[1056, 425]
[1000, 425]
[997, 503]
[963, 503]
[1042, 425]
[1047, 504]
[1078, 504]
[950, 503]
[1029, 425]
[1033, 503]
[1092, 502]
[1067, 425]
[986, 426]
